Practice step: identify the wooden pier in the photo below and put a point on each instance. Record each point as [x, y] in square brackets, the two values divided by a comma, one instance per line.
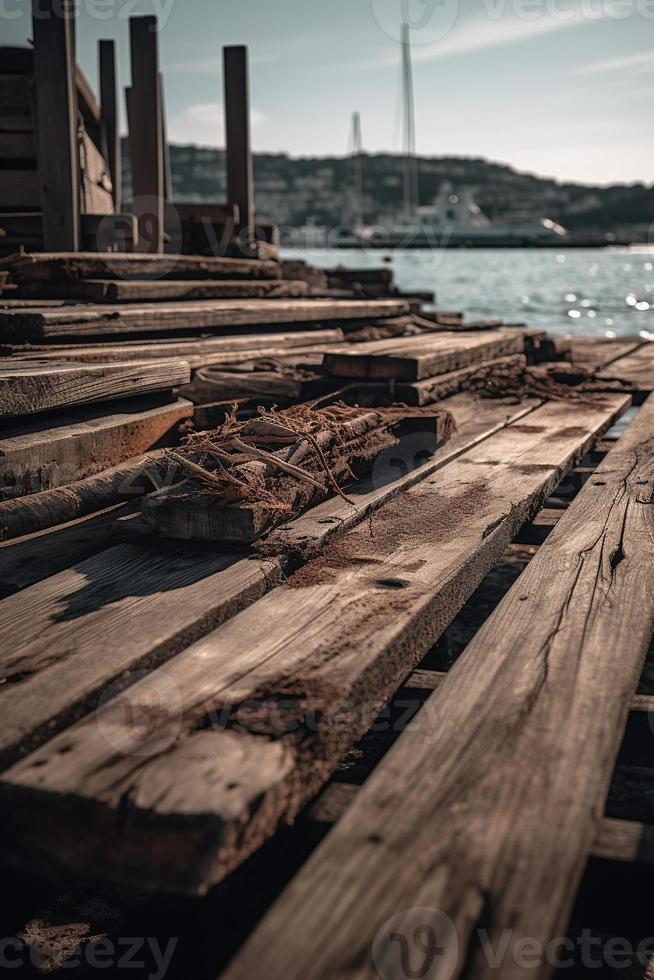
[371, 656]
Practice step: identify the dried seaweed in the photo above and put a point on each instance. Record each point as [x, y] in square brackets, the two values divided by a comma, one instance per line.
[556, 382]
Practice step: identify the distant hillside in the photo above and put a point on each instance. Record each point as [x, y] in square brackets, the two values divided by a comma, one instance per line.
[293, 191]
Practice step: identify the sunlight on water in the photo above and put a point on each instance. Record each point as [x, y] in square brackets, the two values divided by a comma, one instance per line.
[582, 291]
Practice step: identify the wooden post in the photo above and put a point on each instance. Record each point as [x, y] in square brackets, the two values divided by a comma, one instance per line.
[145, 137]
[240, 188]
[109, 109]
[55, 104]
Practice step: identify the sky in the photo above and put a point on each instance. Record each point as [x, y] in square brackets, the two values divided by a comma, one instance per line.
[561, 88]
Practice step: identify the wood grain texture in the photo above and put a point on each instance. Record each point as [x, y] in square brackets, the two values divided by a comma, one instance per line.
[123, 610]
[197, 353]
[430, 390]
[79, 444]
[251, 721]
[415, 358]
[635, 369]
[35, 557]
[135, 265]
[30, 387]
[489, 813]
[85, 320]
[37, 511]
[135, 290]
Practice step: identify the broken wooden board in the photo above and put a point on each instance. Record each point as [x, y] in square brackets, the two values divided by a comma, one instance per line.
[197, 353]
[31, 386]
[134, 265]
[473, 812]
[192, 510]
[423, 356]
[636, 370]
[143, 290]
[84, 442]
[81, 320]
[250, 722]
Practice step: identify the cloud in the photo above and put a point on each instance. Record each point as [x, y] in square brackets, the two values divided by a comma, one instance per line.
[495, 25]
[640, 63]
[204, 124]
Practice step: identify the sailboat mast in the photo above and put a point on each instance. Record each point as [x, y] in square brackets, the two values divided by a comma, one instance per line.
[356, 149]
[409, 136]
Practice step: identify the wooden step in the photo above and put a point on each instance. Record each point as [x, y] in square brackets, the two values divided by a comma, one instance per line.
[488, 805]
[250, 723]
[80, 320]
[415, 358]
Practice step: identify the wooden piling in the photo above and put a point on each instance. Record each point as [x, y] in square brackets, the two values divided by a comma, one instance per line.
[109, 108]
[145, 137]
[55, 104]
[240, 185]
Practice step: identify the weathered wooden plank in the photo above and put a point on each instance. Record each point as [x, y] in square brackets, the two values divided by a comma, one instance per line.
[97, 191]
[635, 369]
[16, 96]
[36, 511]
[229, 349]
[135, 265]
[35, 557]
[597, 352]
[339, 637]
[136, 290]
[17, 146]
[31, 386]
[431, 389]
[414, 358]
[84, 442]
[624, 840]
[477, 815]
[121, 611]
[85, 320]
[55, 105]
[19, 187]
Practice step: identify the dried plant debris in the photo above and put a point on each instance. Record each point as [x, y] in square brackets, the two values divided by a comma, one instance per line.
[269, 467]
[556, 381]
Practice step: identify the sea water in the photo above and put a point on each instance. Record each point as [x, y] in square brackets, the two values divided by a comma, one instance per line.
[603, 292]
